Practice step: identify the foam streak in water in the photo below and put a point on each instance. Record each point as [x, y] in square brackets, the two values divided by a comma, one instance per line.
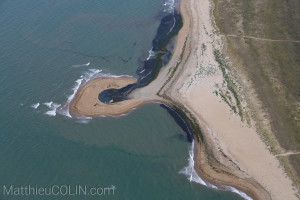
[53, 107]
[146, 75]
[48, 104]
[169, 6]
[83, 65]
[35, 106]
[84, 120]
[172, 26]
[151, 54]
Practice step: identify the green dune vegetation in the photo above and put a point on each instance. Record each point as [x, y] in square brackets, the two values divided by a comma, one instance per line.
[263, 40]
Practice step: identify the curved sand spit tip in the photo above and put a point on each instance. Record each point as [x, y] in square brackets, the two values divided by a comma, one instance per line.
[86, 100]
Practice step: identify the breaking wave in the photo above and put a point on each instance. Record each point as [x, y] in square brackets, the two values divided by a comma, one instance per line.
[192, 176]
[189, 171]
[87, 76]
[169, 6]
[53, 107]
[242, 194]
[35, 106]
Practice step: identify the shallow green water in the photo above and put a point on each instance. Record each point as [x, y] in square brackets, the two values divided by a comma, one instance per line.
[44, 46]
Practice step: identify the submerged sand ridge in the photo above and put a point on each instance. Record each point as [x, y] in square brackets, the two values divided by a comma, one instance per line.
[86, 101]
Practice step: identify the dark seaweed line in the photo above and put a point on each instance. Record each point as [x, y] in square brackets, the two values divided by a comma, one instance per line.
[165, 32]
[187, 118]
[152, 67]
[159, 45]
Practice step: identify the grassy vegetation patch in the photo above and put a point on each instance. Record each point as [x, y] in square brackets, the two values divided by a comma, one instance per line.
[231, 85]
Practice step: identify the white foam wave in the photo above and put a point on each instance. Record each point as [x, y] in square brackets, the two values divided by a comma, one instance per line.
[146, 75]
[35, 106]
[83, 78]
[53, 107]
[87, 76]
[75, 88]
[192, 175]
[189, 171]
[48, 104]
[242, 194]
[174, 20]
[169, 6]
[151, 54]
[83, 65]
[83, 121]
[51, 113]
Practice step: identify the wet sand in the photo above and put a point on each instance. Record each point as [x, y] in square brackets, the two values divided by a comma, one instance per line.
[86, 101]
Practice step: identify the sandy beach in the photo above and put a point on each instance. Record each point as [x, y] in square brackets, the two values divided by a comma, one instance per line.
[232, 152]
[235, 146]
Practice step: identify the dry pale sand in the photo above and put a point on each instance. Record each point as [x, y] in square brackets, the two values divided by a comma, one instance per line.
[246, 154]
[86, 101]
[232, 153]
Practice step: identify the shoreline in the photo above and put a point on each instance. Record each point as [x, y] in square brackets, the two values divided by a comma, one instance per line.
[225, 157]
[109, 96]
[188, 82]
[86, 100]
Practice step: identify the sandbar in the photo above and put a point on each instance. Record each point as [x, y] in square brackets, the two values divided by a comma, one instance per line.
[86, 101]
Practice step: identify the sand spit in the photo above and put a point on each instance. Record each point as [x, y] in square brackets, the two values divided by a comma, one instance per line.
[86, 101]
[232, 152]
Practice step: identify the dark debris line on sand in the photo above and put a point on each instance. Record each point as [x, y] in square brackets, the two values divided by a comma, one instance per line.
[168, 28]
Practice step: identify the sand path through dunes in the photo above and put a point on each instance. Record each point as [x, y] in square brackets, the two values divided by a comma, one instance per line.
[288, 154]
[263, 39]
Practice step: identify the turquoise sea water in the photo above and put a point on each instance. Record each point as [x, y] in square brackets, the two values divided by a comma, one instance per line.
[46, 46]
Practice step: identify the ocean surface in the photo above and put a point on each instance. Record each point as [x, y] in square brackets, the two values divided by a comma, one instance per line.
[49, 47]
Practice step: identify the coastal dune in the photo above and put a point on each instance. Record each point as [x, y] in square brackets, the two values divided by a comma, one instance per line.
[231, 152]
